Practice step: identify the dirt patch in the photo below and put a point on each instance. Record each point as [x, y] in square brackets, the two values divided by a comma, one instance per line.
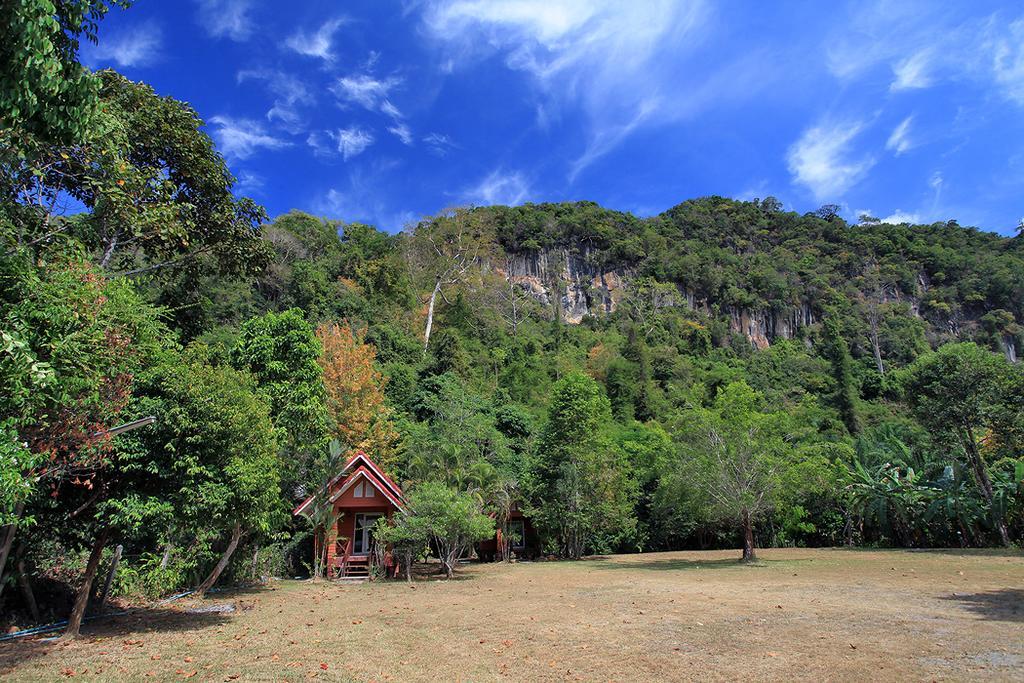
[796, 614]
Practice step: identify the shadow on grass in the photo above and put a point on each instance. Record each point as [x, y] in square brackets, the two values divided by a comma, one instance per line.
[681, 564]
[131, 626]
[1006, 604]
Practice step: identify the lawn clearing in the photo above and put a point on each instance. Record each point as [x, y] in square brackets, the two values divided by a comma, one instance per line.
[797, 614]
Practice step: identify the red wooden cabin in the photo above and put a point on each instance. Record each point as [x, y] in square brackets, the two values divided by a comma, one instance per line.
[523, 542]
[360, 494]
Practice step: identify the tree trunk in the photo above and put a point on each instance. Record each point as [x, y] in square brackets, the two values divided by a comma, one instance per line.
[82, 599]
[167, 555]
[876, 348]
[748, 538]
[5, 548]
[985, 484]
[408, 566]
[108, 253]
[256, 562]
[430, 315]
[236, 535]
[110, 576]
[26, 590]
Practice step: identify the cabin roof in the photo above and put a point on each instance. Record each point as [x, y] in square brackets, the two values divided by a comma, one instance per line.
[359, 466]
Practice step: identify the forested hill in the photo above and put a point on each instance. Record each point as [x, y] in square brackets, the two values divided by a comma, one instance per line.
[756, 270]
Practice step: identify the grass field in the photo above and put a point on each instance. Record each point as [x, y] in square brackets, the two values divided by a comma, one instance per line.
[797, 614]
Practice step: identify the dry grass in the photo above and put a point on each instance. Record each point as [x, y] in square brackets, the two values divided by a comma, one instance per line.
[798, 614]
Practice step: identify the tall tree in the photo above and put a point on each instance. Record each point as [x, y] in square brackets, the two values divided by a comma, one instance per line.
[581, 489]
[444, 252]
[358, 414]
[215, 443]
[958, 390]
[282, 353]
[837, 351]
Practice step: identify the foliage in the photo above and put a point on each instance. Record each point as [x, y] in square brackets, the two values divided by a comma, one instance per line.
[357, 412]
[451, 519]
[581, 489]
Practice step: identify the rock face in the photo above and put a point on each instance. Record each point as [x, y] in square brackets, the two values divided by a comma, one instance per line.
[582, 287]
[572, 276]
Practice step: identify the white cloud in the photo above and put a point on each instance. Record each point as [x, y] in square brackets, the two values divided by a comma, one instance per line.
[402, 132]
[138, 46]
[1008, 61]
[624, 64]
[898, 217]
[317, 44]
[821, 162]
[391, 110]
[368, 92]
[352, 141]
[249, 183]
[290, 93]
[226, 18]
[438, 144]
[499, 187]
[899, 140]
[926, 44]
[241, 138]
[913, 72]
[349, 142]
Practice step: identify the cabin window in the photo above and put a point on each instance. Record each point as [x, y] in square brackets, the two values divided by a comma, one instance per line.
[358, 491]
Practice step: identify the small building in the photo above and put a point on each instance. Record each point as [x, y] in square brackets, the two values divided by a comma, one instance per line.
[360, 495]
[523, 539]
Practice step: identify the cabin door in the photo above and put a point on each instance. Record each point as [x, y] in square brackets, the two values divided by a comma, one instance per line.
[362, 538]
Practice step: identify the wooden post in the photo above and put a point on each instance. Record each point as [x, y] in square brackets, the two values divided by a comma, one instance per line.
[110, 577]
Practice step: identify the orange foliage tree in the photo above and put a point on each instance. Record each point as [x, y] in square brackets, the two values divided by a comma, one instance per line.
[359, 416]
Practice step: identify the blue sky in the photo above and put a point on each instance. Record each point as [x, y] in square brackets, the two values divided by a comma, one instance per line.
[382, 112]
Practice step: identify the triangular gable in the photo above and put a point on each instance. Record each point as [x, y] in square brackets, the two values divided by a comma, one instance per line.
[367, 475]
[361, 462]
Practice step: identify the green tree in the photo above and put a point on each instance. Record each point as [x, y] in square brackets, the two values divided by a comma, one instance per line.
[44, 91]
[215, 443]
[581, 489]
[837, 351]
[451, 518]
[282, 353]
[738, 459]
[957, 390]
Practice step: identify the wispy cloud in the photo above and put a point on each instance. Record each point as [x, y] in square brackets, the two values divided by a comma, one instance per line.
[137, 46]
[249, 183]
[363, 195]
[898, 217]
[369, 92]
[353, 141]
[348, 142]
[241, 138]
[402, 132]
[1008, 61]
[913, 72]
[899, 140]
[290, 93]
[498, 187]
[621, 62]
[437, 144]
[927, 44]
[318, 43]
[820, 160]
[226, 18]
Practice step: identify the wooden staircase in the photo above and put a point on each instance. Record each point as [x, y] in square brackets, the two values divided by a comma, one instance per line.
[356, 566]
[348, 566]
